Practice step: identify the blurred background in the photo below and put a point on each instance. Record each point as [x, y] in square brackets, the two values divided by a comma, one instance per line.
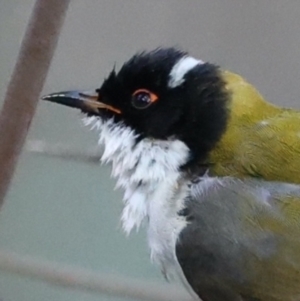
[67, 211]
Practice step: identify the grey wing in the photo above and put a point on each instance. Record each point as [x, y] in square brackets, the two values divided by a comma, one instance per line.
[222, 248]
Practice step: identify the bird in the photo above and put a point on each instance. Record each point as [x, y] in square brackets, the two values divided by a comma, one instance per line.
[209, 166]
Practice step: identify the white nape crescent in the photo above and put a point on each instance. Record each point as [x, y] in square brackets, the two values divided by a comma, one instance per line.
[181, 68]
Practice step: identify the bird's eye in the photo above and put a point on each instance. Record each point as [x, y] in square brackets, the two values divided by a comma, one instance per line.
[142, 99]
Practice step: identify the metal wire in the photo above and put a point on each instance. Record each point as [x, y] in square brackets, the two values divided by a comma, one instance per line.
[64, 151]
[89, 281]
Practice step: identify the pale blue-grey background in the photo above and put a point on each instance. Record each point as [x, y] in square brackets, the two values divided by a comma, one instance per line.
[66, 211]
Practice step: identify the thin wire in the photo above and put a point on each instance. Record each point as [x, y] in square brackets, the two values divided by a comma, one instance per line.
[64, 151]
[81, 279]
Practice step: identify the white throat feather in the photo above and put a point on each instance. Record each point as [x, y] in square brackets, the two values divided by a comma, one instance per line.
[140, 168]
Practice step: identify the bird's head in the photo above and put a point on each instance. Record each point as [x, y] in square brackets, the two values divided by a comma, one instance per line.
[163, 95]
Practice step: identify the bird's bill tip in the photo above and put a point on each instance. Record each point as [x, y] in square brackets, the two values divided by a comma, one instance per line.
[74, 94]
[86, 101]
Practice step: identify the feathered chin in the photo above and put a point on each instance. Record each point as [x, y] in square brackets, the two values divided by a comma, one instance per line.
[140, 167]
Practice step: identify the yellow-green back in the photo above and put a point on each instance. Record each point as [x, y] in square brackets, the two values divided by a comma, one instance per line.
[261, 140]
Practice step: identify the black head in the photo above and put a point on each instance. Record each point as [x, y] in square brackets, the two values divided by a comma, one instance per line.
[162, 94]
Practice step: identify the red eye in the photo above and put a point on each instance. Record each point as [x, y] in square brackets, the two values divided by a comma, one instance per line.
[142, 99]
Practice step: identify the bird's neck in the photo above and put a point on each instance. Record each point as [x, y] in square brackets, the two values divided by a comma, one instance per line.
[145, 170]
[247, 109]
[149, 174]
[246, 104]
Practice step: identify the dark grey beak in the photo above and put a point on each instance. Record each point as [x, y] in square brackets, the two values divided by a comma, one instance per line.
[87, 102]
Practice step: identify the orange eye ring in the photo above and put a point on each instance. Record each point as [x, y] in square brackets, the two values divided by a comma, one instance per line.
[143, 98]
[153, 96]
